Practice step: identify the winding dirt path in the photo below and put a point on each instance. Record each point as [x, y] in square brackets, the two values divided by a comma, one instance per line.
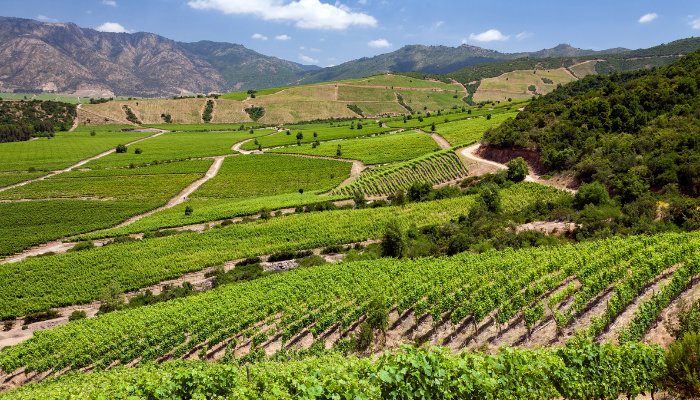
[469, 153]
[182, 196]
[444, 144]
[83, 162]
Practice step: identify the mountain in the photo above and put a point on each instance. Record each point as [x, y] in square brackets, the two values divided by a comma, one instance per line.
[64, 57]
[434, 60]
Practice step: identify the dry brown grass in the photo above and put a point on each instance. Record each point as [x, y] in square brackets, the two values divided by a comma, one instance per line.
[515, 84]
[226, 111]
[372, 109]
[583, 69]
[301, 93]
[353, 93]
[276, 113]
[183, 111]
[111, 109]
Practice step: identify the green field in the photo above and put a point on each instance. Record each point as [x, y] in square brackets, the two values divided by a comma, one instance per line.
[240, 96]
[28, 223]
[323, 133]
[136, 188]
[75, 278]
[205, 127]
[179, 167]
[272, 174]
[102, 128]
[205, 210]
[61, 151]
[11, 179]
[372, 150]
[177, 146]
[375, 108]
[471, 130]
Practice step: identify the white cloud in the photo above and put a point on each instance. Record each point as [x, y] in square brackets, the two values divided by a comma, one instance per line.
[648, 18]
[489, 36]
[111, 27]
[88, 12]
[330, 65]
[301, 48]
[437, 24]
[315, 49]
[259, 36]
[283, 37]
[109, 3]
[695, 24]
[307, 59]
[524, 35]
[464, 41]
[311, 14]
[46, 19]
[363, 2]
[379, 43]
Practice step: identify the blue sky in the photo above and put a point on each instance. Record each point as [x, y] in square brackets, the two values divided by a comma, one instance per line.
[327, 33]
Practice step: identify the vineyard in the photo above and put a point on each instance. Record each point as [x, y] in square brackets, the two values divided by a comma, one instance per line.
[311, 133]
[271, 174]
[371, 150]
[468, 131]
[61, 151]
[176, 146]
[436, 168]
[77, 278]
[466, 293]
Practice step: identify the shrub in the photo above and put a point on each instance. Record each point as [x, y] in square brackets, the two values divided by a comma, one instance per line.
[683, 366]
[688, 319]
[363, 339]
[248, 261]
[189, 210]
[265, 214]
[76, 315]
[121, 148]
[594, 193]
[41, 316]
[138, 151]
[93, 133]
[83, 246]
[333, 249]
[491, 196]
[7, 325]
[517, 169]
[311, 261]
[378, 313]
[394, 240]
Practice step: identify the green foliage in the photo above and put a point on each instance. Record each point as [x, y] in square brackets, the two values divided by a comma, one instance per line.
[208, 110]
[357, 110]
[77, 315]
[394, 240]
[41, 316]
[594, 193]
[19, 120]
[130, 116]
[83, 246]
[683, 365]
[121, 149]
[255, 113]
[189, 210]
[403, 103]
[490, 195]
[362, 340]
[688, 319]
[517, 169]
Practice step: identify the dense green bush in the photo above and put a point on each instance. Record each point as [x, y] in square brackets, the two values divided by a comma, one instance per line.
[517, 169]
[76, 315]
[683, 366]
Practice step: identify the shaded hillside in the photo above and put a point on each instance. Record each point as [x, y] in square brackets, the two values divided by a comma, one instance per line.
[631, 136]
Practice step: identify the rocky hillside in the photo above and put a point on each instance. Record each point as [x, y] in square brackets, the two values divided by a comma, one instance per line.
[67, 58]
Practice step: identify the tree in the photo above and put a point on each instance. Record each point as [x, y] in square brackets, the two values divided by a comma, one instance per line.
[394, 240]
[517, 169]
[488, 116]
[510, 99]
[189, 210]
[339, 152]
[420, 191]
[491, 196]
[138, 151]
[432, 127]
[378, 313]
[359, 199]
[112, 298]
[300, 135]
[595, 193]
[398, 198]
[121, 148]
[315, 134]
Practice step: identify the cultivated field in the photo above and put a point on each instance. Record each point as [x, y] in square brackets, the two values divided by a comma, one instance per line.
[583, 69]
[517, 84]
[470, 130]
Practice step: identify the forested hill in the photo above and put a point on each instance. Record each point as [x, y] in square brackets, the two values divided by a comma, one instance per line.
[20, 120]
[631, 135]
[656, 56]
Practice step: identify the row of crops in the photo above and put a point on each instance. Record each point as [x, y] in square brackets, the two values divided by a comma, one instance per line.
[76, 278]
[583, 370]
[494, 287]
[436, 168]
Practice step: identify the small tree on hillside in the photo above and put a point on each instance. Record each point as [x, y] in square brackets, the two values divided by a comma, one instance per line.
[517, 169]
[394, 240]
[121, 148]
